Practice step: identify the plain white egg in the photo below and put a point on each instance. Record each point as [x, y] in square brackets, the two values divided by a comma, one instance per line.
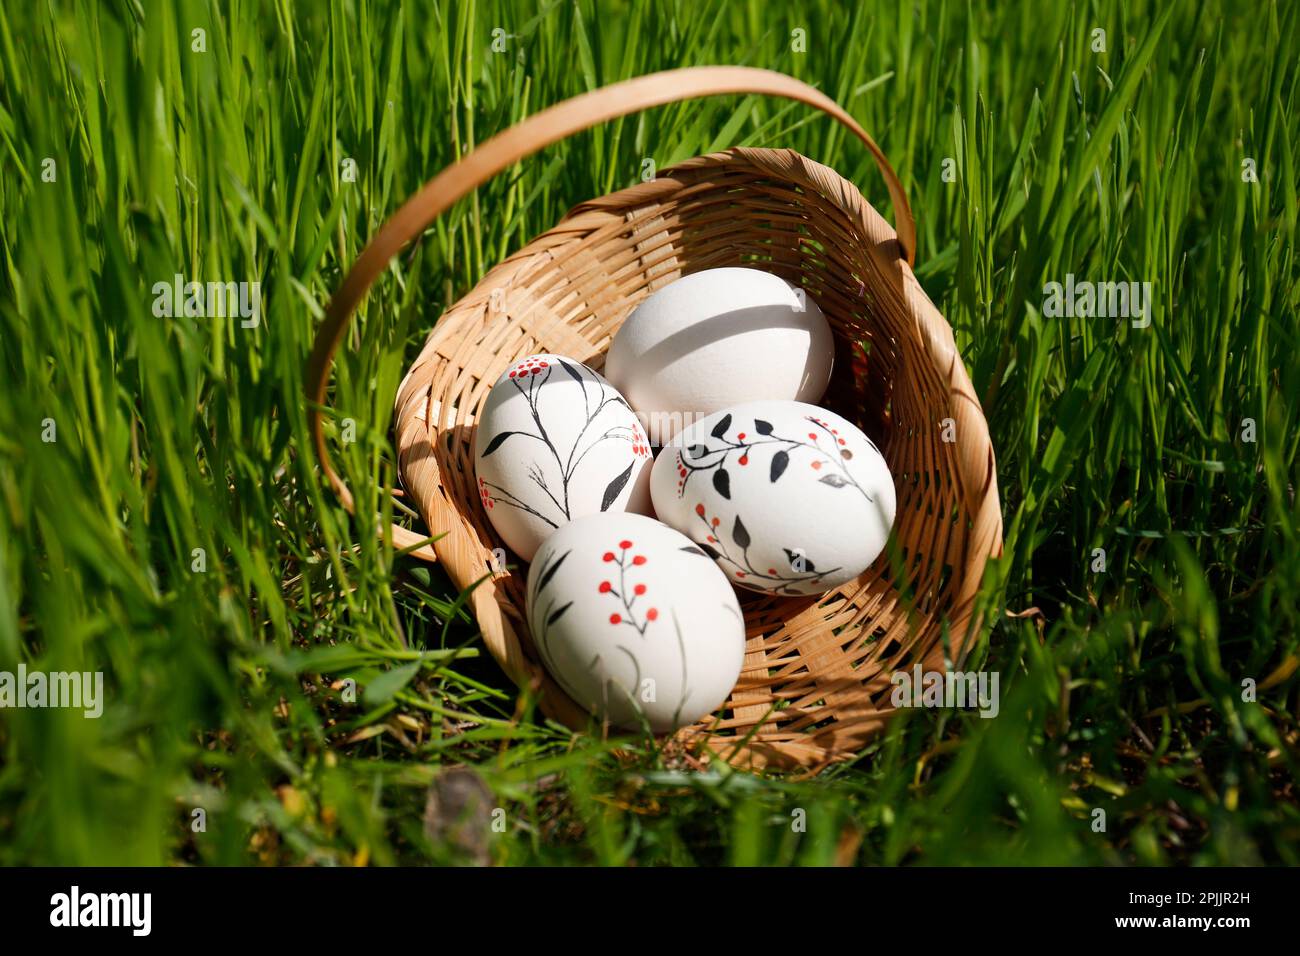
[556, 441]
[634, 621]
[718, 338]
[788, 498]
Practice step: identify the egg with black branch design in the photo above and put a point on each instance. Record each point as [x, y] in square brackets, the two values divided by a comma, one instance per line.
[787, 497]
[556, 441]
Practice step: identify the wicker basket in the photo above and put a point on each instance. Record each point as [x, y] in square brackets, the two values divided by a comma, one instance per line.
[815, 685]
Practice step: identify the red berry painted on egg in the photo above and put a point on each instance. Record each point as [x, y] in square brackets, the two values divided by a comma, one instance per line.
[608, 556]
[652, 614]
[625, 545]
[605, 587]
[615, 619]
[639, 589]
[699, 510]
[639, 560]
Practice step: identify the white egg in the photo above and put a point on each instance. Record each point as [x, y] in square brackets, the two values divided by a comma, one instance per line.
[787, 497]
[717, 338]
[634, 621]
[556, 441]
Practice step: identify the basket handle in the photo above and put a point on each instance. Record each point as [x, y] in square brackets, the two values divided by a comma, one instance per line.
[510, 146]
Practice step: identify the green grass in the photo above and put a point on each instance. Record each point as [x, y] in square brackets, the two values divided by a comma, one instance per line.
[1123, 693]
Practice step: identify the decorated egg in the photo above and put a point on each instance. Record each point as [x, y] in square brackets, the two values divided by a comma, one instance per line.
[718, 338]
[787, 497]
[556, 441]
[634, 621]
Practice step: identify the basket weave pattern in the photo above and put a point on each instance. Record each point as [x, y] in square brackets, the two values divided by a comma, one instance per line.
[815, 684]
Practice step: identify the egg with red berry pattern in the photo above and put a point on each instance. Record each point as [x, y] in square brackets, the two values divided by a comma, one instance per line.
[787, 497]
[634, 621]
[556, 441]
